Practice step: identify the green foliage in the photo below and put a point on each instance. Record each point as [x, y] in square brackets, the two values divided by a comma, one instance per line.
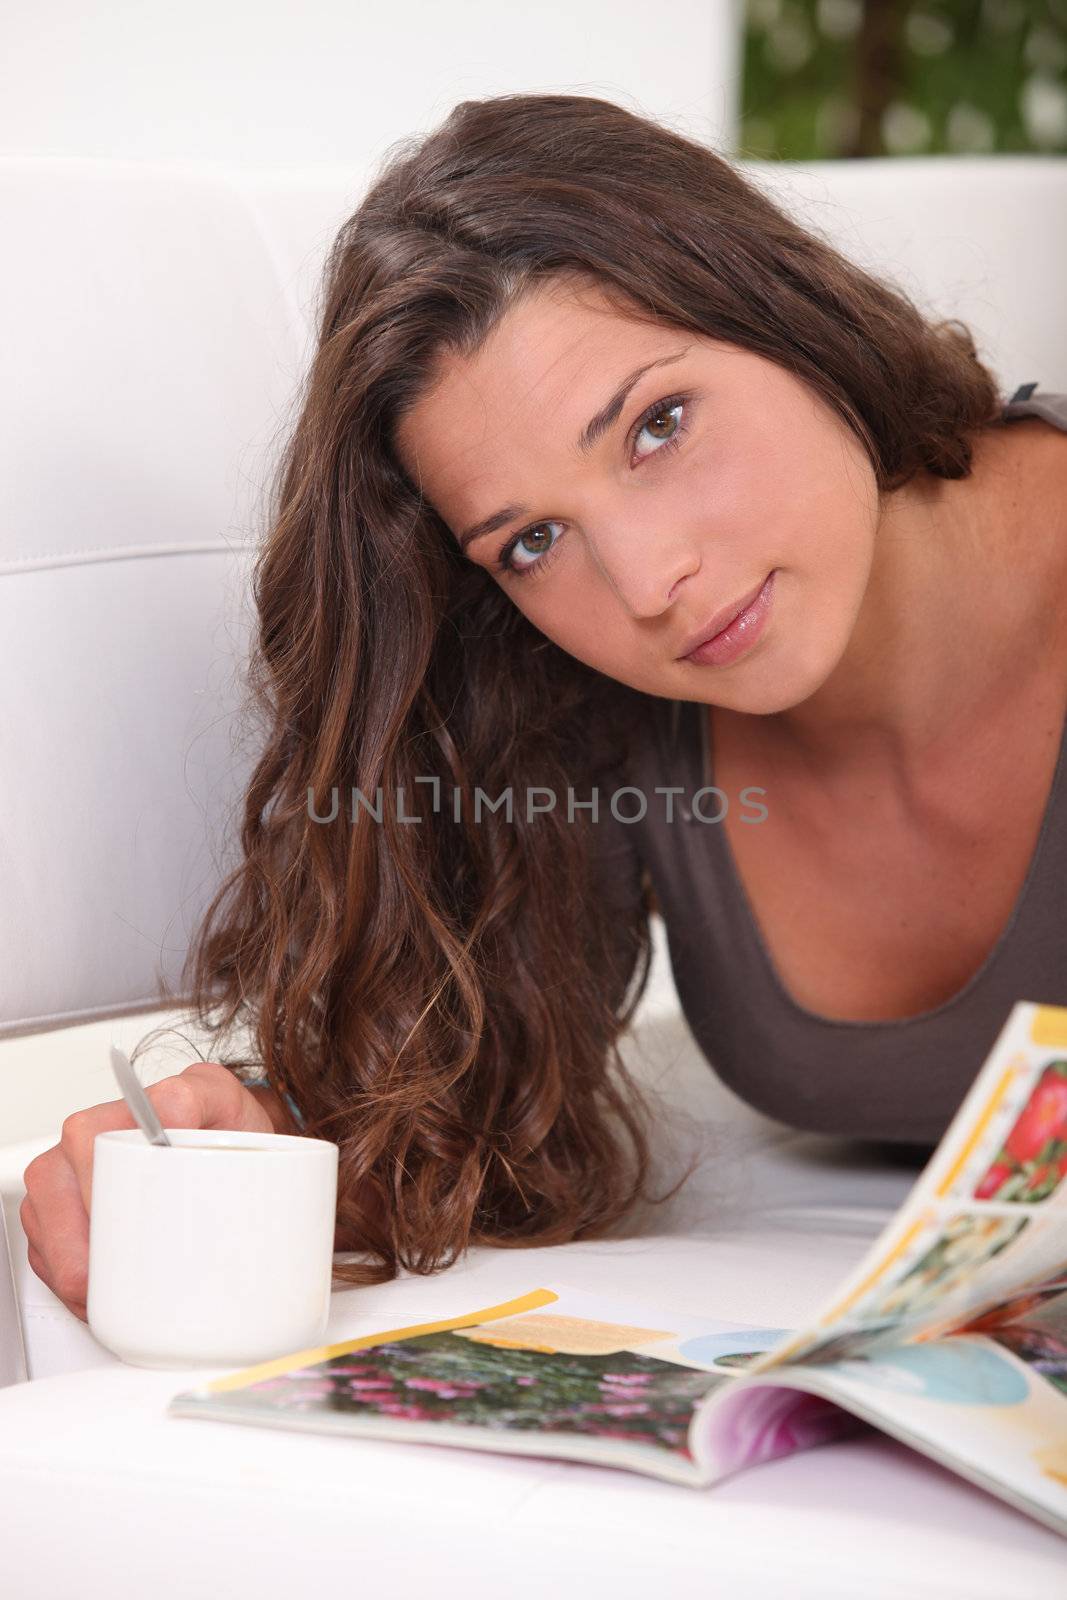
[847, 78]
[441, 1377]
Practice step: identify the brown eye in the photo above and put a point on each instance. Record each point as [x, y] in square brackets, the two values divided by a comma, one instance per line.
[663, 419]
[534, 548]
[529, 541]
[663, 425]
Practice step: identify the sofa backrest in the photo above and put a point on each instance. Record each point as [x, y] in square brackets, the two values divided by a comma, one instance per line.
[157, 323]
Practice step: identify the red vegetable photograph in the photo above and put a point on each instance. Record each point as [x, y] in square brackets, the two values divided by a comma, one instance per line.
[1032, 1161]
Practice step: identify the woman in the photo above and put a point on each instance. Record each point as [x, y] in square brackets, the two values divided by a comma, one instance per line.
[581, 394]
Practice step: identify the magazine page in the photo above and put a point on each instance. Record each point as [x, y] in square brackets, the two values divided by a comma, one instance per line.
[986, 1218]
[952, 1333]
[556, 1372]
[988, 1400]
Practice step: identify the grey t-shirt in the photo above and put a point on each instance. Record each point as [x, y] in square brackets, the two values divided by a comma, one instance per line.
[899, 1080]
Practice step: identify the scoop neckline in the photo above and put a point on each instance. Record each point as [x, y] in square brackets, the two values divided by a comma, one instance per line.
[704, 747]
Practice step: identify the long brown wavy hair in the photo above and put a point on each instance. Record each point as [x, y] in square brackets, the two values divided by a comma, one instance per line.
[444, 1000]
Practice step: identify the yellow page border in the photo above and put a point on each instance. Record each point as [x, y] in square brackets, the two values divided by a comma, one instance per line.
[308, 1358]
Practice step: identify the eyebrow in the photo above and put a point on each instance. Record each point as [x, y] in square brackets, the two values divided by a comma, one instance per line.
[593, 431]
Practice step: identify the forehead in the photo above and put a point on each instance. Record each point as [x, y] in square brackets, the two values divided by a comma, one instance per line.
[521, 400]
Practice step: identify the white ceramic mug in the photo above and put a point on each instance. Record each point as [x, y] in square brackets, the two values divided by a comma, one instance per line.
[201, 1255]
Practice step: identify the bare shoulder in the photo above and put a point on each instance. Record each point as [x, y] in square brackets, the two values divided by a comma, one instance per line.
[1050, 515]
[1028, 489]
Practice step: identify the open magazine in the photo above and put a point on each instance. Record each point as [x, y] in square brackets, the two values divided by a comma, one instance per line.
[950, 1335]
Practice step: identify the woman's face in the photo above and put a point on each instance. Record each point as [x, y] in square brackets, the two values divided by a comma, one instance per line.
[712, 471]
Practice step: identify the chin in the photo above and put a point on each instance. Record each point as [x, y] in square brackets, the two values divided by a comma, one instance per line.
[772, 685]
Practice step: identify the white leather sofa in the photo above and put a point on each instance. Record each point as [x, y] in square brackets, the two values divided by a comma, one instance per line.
[156, 324]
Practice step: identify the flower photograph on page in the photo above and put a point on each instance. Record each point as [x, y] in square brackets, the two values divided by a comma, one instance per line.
[441, 1377]
[1032, 1162]
[952, 1258]
[966, 1243]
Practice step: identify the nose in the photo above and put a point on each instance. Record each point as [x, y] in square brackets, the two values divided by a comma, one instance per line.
[647, 567]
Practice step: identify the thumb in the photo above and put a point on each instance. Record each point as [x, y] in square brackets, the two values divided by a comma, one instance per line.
[222, 1101]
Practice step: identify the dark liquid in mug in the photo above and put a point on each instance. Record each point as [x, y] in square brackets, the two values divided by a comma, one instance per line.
[188, 1145]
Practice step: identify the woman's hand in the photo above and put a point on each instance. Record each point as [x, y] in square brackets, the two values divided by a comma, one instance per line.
[55, 1212]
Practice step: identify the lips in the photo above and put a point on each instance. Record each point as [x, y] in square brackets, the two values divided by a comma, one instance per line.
[719, 621]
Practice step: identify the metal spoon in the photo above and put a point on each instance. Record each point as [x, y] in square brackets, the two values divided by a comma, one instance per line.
[142, 1109]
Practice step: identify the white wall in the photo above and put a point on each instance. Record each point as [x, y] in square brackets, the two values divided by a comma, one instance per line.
[297, 82]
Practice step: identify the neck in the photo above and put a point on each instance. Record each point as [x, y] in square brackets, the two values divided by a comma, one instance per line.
[953, 619]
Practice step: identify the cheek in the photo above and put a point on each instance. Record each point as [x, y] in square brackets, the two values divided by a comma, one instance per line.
[734, 497]
[815, 512]
[786, 474]
[583, 618]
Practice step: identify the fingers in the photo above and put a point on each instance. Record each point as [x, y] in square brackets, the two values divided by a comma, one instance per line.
[56, 1207]
[178, 1103]
[56, 1225]
[76, 1143]
[79, 1308]
[223, 1100]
